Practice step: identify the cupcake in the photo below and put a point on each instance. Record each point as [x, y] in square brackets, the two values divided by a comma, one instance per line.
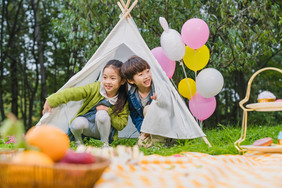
[266, 96]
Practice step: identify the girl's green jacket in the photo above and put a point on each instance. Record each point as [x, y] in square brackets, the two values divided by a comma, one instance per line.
[91, 94]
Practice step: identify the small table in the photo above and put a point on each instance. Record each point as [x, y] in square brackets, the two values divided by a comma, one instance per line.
[261, 107]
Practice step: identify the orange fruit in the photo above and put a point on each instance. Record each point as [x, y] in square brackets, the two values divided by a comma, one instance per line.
[33, 158]
[49, 139]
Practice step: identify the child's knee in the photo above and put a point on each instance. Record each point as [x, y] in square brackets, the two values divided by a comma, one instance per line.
[102, 116]
[79, 123]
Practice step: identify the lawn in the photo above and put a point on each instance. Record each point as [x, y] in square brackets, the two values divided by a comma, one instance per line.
[221, 138]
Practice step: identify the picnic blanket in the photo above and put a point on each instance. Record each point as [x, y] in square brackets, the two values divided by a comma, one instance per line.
[191, 169]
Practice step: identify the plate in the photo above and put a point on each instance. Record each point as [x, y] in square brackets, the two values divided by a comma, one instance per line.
[266, 106]
[273, 148]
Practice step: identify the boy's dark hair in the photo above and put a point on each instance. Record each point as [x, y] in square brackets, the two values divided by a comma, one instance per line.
[122, 91]
[133, 66]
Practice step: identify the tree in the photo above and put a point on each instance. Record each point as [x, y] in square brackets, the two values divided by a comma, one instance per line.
[54, 39]
[244, 37]
[13, 17]
[24, 38]
[2, 60]
[37, 36]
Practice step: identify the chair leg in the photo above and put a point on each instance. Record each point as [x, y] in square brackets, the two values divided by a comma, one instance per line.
[243, 132]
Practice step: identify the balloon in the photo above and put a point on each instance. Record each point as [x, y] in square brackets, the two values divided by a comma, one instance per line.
[163, 23]
[171, 42]
[187, 89]
[202, 108]
[195, 33]
[209, 82]
[167, 65]
[196, 59]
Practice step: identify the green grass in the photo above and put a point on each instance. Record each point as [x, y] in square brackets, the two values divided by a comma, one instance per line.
[3, 144]
[221, 138]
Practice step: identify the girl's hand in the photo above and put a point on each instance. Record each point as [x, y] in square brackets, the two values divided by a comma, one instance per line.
[154, 97]
[102, 107]
[46, 107]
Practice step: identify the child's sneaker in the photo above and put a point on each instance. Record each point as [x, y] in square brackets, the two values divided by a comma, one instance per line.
[145, 140]
[105, 145]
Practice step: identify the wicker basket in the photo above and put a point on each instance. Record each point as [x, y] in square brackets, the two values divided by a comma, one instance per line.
[59, 175]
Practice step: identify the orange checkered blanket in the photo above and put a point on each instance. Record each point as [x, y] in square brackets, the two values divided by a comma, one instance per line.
[192, 169]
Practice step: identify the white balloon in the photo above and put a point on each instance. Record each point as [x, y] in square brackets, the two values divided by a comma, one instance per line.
[209, 82]
[163, 23]
[172, 44]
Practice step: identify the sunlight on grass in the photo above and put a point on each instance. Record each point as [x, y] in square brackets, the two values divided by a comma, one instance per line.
[221, 138]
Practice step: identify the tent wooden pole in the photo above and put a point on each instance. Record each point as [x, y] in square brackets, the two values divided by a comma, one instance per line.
[131, 7]
[123, 4]
[127, 3]
[206, 141]
[121, 8]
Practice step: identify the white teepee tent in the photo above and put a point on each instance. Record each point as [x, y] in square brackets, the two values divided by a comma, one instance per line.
[167, 116]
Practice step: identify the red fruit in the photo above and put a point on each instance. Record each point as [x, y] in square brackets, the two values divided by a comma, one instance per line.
[77, 158]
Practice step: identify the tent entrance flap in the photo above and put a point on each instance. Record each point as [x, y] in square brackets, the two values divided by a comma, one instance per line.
[123, 53]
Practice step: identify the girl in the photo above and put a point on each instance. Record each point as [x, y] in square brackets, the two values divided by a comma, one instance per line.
[104, 110]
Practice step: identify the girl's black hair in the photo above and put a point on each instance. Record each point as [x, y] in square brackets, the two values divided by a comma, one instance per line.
[122, 91]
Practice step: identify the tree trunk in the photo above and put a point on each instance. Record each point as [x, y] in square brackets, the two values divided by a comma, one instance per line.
[35, 4]
[241, 84]
[236, 108]
[11, 53]
[28, 93]
[2, 63]
[14, 87]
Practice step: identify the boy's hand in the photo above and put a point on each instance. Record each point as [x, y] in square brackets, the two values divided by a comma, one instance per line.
[146, 134]
[46, 108]
[102, 107]
[154, 97]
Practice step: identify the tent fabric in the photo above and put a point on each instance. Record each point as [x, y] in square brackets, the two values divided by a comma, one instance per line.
[167, 116]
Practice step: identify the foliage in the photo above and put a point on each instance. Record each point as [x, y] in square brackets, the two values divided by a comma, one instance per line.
[13, 129]
[4, 145]
[244, 37]
[240, 40]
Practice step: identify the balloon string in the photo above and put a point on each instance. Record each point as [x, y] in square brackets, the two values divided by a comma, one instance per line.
[181, 63]
[195, 67]
[197, 98]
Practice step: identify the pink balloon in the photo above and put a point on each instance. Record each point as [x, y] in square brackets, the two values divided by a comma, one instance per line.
[167, 65]
[195, 33]
[202, 108]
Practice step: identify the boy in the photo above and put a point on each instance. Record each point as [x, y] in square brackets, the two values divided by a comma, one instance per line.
[138, 74]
